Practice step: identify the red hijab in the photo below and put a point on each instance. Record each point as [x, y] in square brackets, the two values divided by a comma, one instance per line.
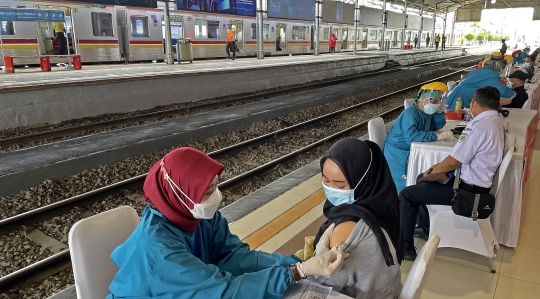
[192, 171]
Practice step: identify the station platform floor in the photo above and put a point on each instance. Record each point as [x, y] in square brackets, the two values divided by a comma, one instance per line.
[25, 77]
[281, 225]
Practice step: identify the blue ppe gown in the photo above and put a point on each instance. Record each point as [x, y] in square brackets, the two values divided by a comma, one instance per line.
[159, 260]
[469, 85]
[520, 59]
[412, 125]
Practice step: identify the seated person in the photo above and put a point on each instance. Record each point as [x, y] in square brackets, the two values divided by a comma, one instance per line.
[485, 76]
[414, 125]
[479, 151]
[519, 58]
[529, 66]
[362, 204]
[183, 248]
[516, 81]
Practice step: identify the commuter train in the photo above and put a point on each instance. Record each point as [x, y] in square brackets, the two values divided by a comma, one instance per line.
[109, 33]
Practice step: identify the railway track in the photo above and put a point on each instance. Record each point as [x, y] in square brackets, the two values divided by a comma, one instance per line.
[50, 133]
[62, 207]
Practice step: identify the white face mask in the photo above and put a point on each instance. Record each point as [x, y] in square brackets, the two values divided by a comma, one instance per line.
[205, 210]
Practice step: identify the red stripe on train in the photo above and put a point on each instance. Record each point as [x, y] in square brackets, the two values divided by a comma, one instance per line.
[98, 41]
[19, 40]
[145, 42]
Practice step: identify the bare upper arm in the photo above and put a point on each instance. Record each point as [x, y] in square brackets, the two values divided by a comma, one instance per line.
[341, 233]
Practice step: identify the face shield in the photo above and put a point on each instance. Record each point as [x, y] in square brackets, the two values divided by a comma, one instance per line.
[430, 96]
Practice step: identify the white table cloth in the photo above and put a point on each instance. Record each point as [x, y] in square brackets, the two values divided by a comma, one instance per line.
[507, 213]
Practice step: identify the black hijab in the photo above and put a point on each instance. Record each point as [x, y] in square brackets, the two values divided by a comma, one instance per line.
[376, 197]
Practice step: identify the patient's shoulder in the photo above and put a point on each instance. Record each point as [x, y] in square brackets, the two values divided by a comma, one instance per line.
[341, 233]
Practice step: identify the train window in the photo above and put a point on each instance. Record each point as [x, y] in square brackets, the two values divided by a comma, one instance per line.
[213, 29]
[373, 35]
[139, 26]
[201, 29]
[266, 31]
[7, 28]
[326, 34]
[299, 32]
[102, 24]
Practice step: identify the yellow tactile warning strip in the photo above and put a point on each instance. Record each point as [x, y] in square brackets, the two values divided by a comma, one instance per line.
[275, 226]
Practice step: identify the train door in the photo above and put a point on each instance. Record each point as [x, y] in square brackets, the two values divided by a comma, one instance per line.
[177, 30]
[364, 38]
[49, 42]
[281, 37]
[344, 38]
[312, 38]
[238, 26]
[395, 39]
[122, 25]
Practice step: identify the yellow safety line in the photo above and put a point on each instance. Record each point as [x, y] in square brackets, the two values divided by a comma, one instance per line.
[271, 229]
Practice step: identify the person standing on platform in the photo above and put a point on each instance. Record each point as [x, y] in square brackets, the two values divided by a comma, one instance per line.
[59, 31]
[231, 42]
[333, 42]
[437, 41]
[479, 151]
[443, 44]
[416, 41]
[427, 40]
[415, 124]
[182, 248]
[516, 81]
[503, 47]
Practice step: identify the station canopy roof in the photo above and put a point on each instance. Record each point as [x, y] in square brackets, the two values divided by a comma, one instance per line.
[468, 10]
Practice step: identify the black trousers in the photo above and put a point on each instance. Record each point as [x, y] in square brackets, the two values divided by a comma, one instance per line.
[231, 47]
[414, 199]
[443, 46]
[63, 43]
[436, 45]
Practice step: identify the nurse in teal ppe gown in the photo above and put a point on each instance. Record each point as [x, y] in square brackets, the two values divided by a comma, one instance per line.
[183, 248]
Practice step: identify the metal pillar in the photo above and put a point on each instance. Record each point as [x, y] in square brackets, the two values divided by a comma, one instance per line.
[169, 58]
[384, 22]
[356, 21]
[452, 34]
[444, 23]
[434, 23]
[260, 43]
[421, 26]
[404, 27]
[318, 4]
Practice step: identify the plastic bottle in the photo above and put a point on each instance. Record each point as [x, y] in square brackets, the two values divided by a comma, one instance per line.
[458, 105]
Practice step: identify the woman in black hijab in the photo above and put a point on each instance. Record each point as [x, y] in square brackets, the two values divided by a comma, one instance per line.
[367, 198]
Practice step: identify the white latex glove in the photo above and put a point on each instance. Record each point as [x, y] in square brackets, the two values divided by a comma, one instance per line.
[442, 106]
[324, 242]
[447, 135]
[324, 264]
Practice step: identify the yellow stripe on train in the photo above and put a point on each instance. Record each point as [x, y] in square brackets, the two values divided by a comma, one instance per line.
[11, 47]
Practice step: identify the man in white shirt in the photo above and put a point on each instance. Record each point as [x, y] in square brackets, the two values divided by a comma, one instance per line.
[479, 151]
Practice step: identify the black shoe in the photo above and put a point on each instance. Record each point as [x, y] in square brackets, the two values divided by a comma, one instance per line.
[228, 58]
[421, 232]
[410, 254]
[233, 58]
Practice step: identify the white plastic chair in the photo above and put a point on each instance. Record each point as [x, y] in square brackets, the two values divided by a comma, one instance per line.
[526, 105]
[408, 102]
[376, 131]
[91, 241]
[414, 284]
[450, 84]
[464, 233]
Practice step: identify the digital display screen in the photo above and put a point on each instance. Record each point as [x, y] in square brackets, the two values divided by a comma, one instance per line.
[292, 9]
[233, 7]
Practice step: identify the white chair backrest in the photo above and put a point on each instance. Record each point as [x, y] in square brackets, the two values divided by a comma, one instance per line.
[376, 131]
[450, 84]
[408, 102]
[414, 284]
[504, 164]
[526, 105]
[91, 241]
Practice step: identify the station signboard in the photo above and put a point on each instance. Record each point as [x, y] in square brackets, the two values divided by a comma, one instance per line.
[231, 7]
[137, 3]
[34, 15]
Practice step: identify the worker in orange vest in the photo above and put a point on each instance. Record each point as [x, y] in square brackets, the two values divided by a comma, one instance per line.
[231, 43]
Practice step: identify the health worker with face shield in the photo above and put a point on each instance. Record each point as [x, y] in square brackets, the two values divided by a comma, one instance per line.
[415, 124]
[183, 248]
[488, 75]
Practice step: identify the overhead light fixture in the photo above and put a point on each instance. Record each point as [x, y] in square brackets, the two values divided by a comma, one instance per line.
[493, 1]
